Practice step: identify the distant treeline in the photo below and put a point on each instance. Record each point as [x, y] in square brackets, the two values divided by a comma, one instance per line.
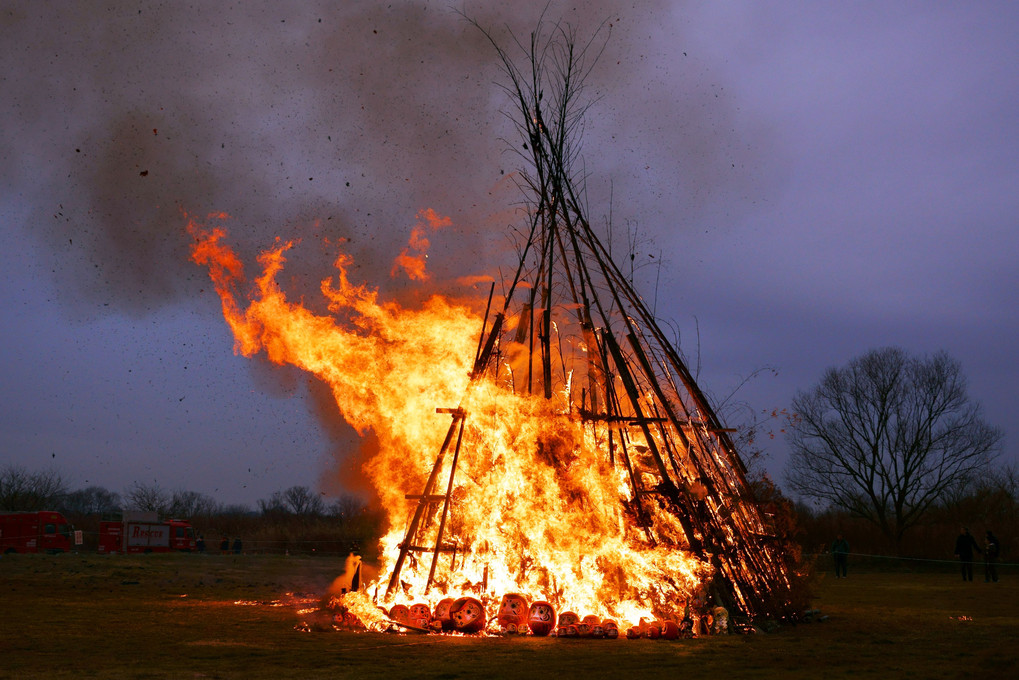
[295, 520]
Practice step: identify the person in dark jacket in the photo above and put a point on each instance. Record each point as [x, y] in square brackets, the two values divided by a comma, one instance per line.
[965, 544]
[991, 552]
[840, 553]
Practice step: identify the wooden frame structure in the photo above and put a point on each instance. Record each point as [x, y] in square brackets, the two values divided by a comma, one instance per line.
[635, 391]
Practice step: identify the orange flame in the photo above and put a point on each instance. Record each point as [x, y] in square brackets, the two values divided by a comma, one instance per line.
[537, 507]
[412, 258]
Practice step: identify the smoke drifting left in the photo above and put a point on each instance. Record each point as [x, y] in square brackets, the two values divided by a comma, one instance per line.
[313, 123]
[318, 121]
[324, 123]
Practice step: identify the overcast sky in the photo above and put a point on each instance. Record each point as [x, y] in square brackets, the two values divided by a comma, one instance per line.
[818, 179]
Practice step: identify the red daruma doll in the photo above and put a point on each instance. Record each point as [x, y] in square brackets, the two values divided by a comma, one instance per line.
[568, 625]
[512, 616]
[670, 630]
[468, 615]
[420, 615]
[541, 618]
[440, 617]
[400, 613]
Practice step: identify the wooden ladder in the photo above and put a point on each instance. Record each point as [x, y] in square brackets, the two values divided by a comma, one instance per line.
[427, 498]
[486, 345]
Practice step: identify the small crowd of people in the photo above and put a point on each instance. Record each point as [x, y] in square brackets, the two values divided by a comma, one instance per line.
[225, 547]
[965, 547]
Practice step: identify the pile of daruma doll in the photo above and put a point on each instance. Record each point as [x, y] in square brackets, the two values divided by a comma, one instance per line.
[467, 615]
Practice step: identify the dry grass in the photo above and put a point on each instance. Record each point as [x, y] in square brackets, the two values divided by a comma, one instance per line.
[177, 616]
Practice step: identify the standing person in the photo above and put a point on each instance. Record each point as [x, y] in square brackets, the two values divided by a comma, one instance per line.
[840, 552]
[200, 543]
[965, 544]
[991, 552]
[237, 545]
[224, 546]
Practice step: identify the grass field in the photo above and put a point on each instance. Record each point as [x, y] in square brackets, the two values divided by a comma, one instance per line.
[214, 616]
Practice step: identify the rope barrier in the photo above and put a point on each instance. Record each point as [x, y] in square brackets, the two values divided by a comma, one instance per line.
[911, 559]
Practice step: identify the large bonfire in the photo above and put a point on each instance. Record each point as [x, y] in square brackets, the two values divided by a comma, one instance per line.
[545, 439]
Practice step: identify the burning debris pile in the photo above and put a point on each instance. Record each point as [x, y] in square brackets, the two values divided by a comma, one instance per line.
[580, 467]
[516, 616]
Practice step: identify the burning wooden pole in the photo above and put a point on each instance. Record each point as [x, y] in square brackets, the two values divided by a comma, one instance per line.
[637, 387]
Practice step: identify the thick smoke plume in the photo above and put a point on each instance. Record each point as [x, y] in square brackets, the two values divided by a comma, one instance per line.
[320, 121]
[331, 123]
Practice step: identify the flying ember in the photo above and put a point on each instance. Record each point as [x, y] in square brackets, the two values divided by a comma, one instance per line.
[542, 449]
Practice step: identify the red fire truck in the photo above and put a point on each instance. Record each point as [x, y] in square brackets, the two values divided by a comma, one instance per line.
[29, 532]
[142, 532]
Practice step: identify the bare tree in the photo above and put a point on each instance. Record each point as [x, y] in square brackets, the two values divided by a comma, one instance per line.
[24, 490]
[886, 436]
[273, 507]
[148, 497]
[188, 504]
[92, 500]
[303, 502]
